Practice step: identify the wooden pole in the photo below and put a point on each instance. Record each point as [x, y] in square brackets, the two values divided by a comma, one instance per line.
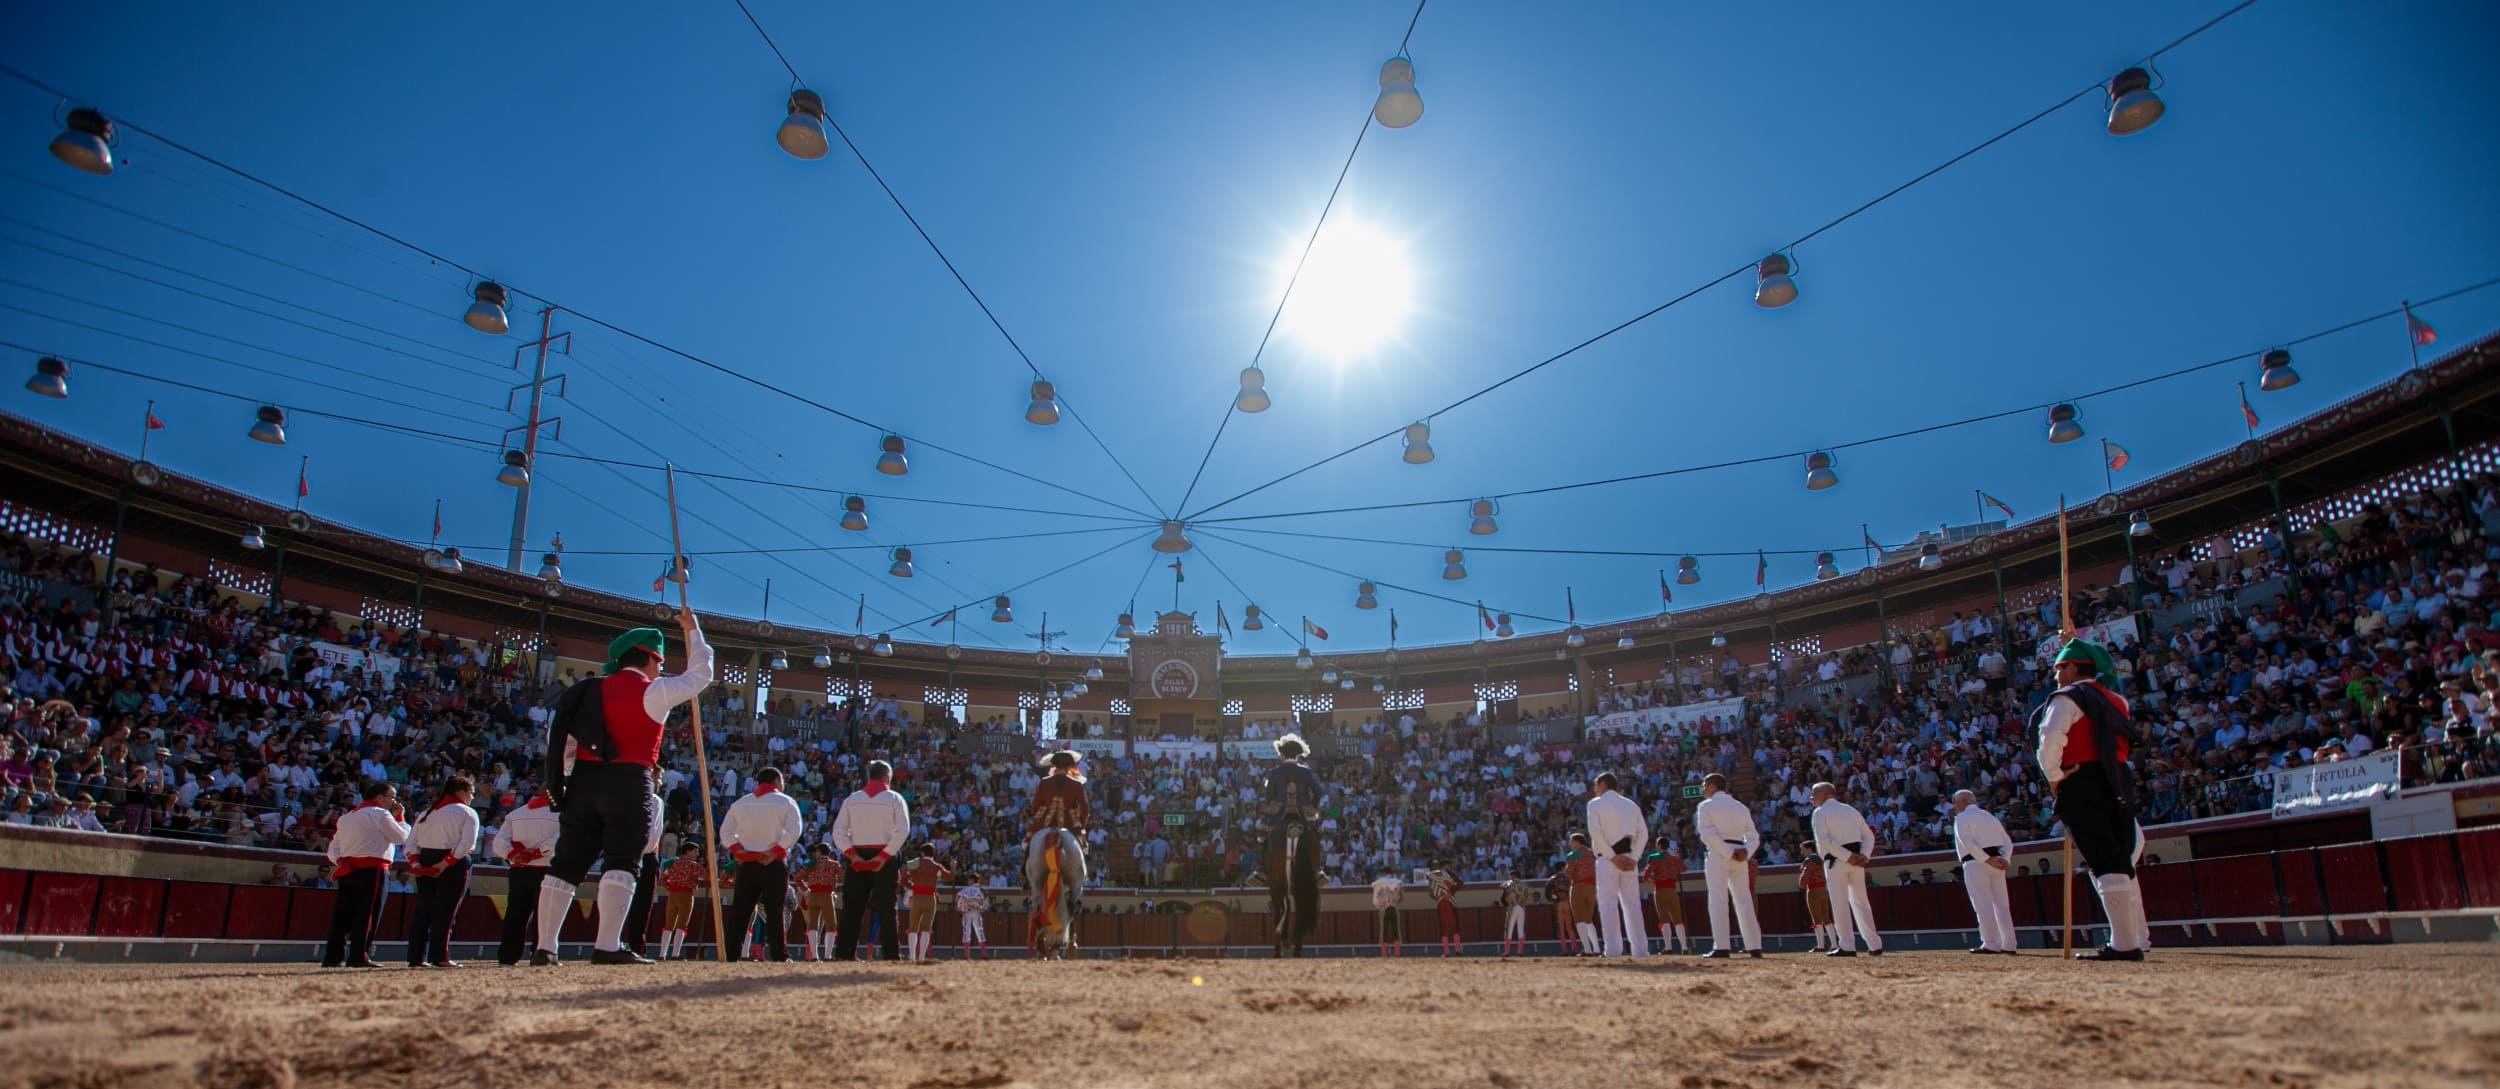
[694, 713]
[2066, 624]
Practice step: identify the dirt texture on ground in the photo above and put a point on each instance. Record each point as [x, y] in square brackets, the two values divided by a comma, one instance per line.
[2384, 1016]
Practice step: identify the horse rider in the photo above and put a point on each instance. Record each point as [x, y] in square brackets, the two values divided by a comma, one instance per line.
[1059, 802]
[1289, 798]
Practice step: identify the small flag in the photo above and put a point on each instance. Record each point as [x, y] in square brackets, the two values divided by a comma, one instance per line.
[2423, 335]
[1177, 575]
[1571, 610]
[1314, 630]
[303, 483]
[1393, 625]
[1869, 538]
[1665, 596]
[658, 583]
[2246, 412]
[950, 615]
[1997, 503]
[1484, 616]
[438, 520]
[1222, 623]
[859, 620]
[2116, 454]
[155, 424]
[1761, 568]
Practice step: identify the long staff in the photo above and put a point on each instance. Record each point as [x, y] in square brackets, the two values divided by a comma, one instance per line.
[2066, 624]
[694, 709]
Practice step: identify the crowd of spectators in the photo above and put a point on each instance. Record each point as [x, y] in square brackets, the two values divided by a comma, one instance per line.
[191, 714]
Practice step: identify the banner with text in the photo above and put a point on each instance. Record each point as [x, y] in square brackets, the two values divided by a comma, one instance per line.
[2114, 635]
[1098, 746]
[1174, 750]
[346, 657]
[1687, 718]
[2339, 785]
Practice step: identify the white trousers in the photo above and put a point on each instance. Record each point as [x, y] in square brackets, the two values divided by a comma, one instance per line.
[1727, 883]
[1515, 925]
[974, 929]
[1619, 910]
[1850, 905]
[1990, 905]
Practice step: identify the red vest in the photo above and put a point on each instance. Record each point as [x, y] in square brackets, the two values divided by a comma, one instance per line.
[632, 730]
[2080, 749]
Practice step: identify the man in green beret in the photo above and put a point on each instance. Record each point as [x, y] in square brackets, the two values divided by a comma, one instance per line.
[2087, 740]
[603, 749]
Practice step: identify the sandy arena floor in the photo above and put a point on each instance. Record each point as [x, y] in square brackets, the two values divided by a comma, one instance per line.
[2405, 1016]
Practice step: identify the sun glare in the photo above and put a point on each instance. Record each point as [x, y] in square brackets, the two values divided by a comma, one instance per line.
[1353, 295]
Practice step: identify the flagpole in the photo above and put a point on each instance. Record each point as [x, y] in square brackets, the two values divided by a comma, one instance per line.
[1980, 502]
[694, 710]
[2109, 479]
[1865, 553]
[2412, 341]
[301, 468]
[2066, 623]
[2244, 413]
[147, 429]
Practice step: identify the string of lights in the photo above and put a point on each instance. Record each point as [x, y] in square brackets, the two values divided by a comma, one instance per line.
[1316, 566]
[1776, 288]
[1646, 553]
[1253, 396]
[793, 550]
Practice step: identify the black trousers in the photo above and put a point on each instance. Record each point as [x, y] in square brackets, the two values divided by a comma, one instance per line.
[606, 818]
[2104, 830]
[638, 919]
[353, 916]
[1303, 868]
[866, 894]
[764, 884]
[520, 914]
[430, 918]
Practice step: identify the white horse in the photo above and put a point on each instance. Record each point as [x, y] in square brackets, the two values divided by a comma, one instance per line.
[1054, 876]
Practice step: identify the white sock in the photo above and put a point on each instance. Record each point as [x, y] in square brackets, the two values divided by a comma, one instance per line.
[555, 898]
[1588, 937]
[671, 941]
[811, 945]
[616, 897]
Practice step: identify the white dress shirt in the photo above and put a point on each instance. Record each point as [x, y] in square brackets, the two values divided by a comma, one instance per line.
[534, 829]
[1837, 825]
[763, 822]
[2062, 717]
[882, 821]
[368, 831]
[665, 693]
[452, 828]
[1975, 831]
[1612, 817]
[1725, 826]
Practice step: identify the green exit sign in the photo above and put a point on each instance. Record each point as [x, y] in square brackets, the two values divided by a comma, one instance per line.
[1175, 820]
[1693, 791]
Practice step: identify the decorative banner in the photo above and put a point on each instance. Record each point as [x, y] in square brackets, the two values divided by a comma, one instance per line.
[1097, 746]
[346, 657]
[1174, 750]
[2340, 785]
[1689, 718]
[2115, 635]
[1248, 750]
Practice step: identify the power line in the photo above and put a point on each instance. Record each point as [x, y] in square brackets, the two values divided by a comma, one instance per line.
[1728, 275]
[1070, 565]
[1789, 455]
[1295, 637]
[1287, 296]
[793, 550]
[1343, 539]
[1375, 581]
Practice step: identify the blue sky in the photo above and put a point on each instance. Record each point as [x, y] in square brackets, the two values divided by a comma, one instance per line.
[1126, 185]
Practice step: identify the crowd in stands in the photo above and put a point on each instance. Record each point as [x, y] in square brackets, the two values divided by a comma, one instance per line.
[189, 714]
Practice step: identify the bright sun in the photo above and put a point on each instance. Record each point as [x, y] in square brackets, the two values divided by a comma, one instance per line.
[1353, 295]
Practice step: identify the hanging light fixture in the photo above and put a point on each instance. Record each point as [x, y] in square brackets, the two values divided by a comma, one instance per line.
[892, 462]
[1346, 683]
[87, 144]
[1398, 105]
[551, 569]
[1718, 638]
[1380, 686]
[516, 470]
[1000, 612]
[1819, 474]
[1480, 518]
[1328, 675]
[1127, 628]
[1772, 287]
[1824, 569]
[1044, 410]
[1302, 660]
[1688, 571]
[780, 660]
[1365, 596]
[1093, 670]
[824, 658]
[1079, 688]
[855, 514]
[1502, 628]
[51, 378]
[885, 645]
[2063, 427]
[803, 132]
[446, 561]
[1418, 442]
[902, 564]
[486, 314]
[1173, 541]
[2141, 525]
[1453, 565]
[252, 540]
[1930, 557]
[271, 427]
[1574, 638]
[2133, 107]
[1624, 643]
[2277, 373]
[1252, 619]
[1253, 395]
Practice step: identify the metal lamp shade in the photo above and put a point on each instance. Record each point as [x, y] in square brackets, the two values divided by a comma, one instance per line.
[486, 314]
[1253, 395]
[802, 133]
[1398, 105]
[87, 144]
[2133, 107]
[855, 514]
[2064, 425]
[1772, 287]
[1454, 565]
[1418, 443]
[2277, 373]
[1044, 409]
[516, 470]
[269, 425]
[891, 461]
[1480, 518]
[1172, 541]
[51, 379]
